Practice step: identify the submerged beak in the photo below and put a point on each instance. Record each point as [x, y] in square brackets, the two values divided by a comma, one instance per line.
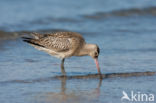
[97, 65]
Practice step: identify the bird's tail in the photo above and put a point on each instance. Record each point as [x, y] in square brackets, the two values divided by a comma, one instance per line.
[36, 35]
[32, 41]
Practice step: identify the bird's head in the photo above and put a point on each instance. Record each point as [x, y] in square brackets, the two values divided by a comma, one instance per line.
[94, 53]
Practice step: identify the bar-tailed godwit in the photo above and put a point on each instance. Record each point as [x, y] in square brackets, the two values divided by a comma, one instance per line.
[64, 45]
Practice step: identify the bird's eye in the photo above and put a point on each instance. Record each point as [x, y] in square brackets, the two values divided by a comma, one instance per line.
[96, 54]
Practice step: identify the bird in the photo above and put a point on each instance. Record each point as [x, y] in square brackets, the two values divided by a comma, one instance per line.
[63, 45]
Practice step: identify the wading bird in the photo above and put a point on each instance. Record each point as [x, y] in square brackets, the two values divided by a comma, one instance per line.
[64, 45]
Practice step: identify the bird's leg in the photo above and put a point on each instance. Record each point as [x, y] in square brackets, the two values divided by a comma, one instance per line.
[62, 67]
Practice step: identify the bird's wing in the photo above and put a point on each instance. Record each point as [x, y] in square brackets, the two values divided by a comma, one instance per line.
[56, 43]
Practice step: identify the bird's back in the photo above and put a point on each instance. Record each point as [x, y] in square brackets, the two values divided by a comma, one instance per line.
[65, 44]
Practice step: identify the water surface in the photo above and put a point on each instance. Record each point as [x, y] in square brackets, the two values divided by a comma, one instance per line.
[125, 34]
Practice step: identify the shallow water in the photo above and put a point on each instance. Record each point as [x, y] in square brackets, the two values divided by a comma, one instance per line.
[125, 34]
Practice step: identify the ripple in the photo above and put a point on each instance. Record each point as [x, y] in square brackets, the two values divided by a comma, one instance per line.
[89, 76]
[124, 12]
[8, 35]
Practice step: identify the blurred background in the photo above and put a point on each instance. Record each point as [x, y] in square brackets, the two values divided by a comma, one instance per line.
[125, 31]
[83, 15]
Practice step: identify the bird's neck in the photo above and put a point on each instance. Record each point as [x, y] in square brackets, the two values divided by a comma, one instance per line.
[86, 49]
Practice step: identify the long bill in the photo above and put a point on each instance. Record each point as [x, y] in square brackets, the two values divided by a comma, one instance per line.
[97, 65]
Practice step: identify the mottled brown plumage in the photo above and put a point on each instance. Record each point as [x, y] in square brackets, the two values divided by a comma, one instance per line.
[63, 45]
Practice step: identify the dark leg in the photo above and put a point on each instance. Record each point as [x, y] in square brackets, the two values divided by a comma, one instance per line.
[62, 67]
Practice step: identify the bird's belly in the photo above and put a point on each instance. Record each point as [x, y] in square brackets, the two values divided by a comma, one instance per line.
[51, 52]
[60, 56]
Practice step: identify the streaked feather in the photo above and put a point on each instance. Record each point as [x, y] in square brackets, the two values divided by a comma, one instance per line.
[58, 42]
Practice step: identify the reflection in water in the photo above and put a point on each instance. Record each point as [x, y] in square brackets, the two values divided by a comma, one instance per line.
[69, 96]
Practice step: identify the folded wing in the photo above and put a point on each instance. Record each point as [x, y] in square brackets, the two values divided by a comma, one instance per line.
[51, 42]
